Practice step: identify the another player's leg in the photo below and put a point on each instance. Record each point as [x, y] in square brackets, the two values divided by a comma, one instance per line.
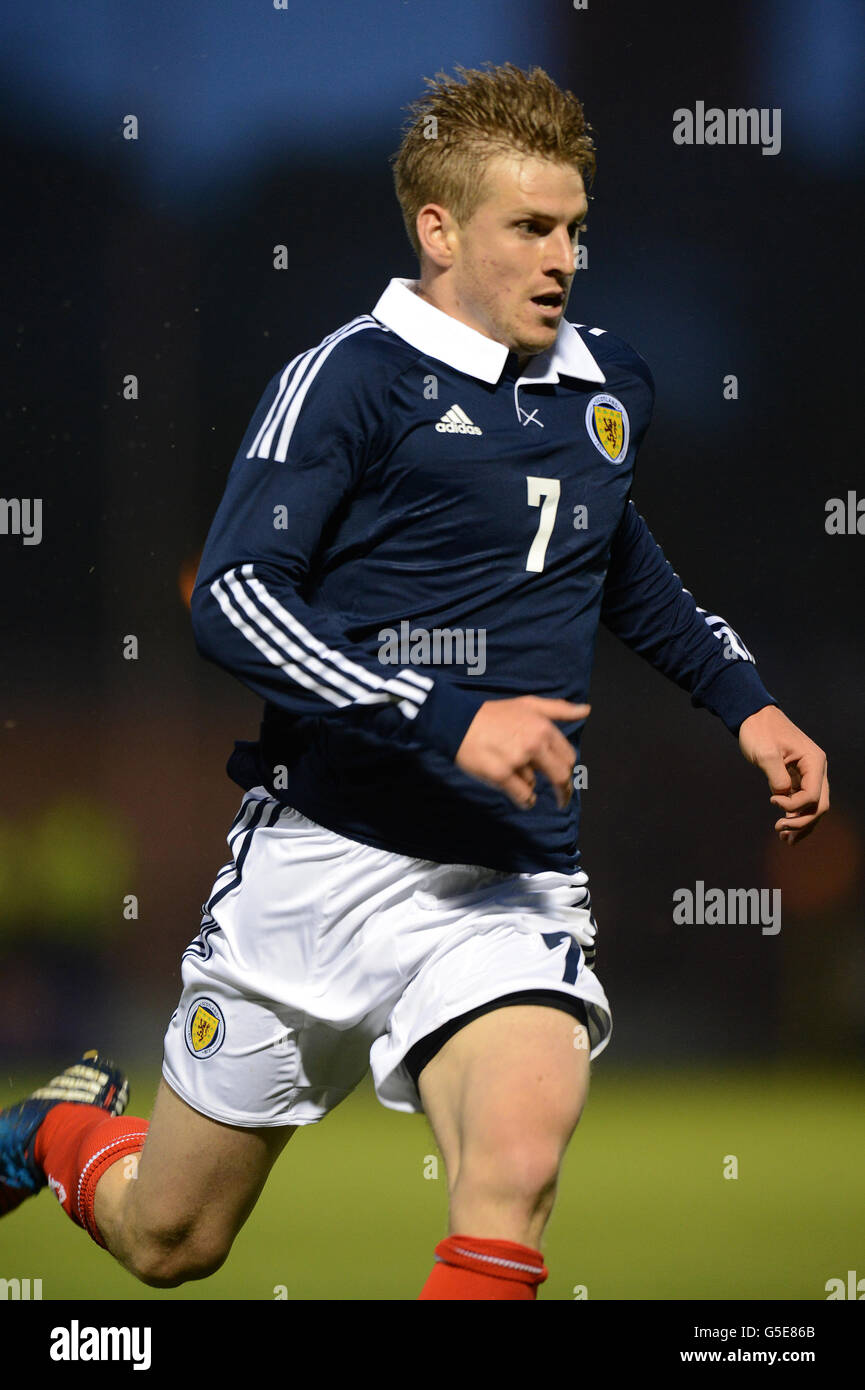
[174, 1215]
[167, 1199]
[89, 1094]
[503, 1096]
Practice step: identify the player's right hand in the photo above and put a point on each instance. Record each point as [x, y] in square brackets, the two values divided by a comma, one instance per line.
[508, 741]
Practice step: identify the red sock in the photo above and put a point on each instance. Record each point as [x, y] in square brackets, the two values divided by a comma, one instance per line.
[74, 1146]
[471, 1268]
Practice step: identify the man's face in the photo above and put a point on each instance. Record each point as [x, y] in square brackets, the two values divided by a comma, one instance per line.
[517, 248]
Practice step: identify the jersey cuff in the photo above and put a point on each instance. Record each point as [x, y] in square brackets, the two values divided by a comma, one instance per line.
[735, 694]
[445, 715]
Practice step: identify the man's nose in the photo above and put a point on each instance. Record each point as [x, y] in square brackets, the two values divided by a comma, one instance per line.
[562, 253]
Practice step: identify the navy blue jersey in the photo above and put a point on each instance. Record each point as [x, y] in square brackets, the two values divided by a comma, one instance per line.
[413, 526]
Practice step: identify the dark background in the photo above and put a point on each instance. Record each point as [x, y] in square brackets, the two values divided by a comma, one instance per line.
[155, 257]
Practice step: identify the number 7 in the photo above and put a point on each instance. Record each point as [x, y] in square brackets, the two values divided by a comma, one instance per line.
[550, 490]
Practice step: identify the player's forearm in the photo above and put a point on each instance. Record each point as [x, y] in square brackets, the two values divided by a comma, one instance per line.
[648, 608]
[254, 624]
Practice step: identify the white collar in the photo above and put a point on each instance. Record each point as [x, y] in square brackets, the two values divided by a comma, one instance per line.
[439, 335]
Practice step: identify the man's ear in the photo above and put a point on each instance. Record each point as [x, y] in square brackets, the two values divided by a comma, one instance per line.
[437, 233]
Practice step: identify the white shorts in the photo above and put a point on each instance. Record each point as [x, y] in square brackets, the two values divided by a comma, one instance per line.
[319, 957]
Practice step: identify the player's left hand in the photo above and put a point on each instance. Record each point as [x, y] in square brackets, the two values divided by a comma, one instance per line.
[795, 768]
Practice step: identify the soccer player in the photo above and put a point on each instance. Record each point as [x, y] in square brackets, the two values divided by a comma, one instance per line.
[428, 517]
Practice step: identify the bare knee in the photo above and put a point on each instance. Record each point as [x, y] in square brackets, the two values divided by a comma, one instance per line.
[166, 1256]
[521, 1175]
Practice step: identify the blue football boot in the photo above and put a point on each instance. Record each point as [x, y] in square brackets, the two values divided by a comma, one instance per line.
[92, 1080]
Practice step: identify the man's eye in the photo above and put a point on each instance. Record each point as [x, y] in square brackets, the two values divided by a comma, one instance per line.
[542, 231]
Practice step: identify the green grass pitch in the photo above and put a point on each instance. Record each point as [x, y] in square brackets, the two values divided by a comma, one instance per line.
[643, 1212]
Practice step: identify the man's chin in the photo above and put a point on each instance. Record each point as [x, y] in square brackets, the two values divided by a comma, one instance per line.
[529, 345]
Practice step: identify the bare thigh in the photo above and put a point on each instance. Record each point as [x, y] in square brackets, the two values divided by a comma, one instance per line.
[503, 1097]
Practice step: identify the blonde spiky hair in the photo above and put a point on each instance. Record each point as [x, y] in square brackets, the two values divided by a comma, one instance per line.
[456, 127]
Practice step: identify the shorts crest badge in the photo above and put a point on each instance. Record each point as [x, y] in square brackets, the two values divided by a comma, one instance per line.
[205, 1028]
[608, 426]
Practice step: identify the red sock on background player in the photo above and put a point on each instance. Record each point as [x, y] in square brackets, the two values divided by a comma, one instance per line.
[74, 1146]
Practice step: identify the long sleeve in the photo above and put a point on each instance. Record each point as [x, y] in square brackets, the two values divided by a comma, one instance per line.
[647, 607]
[303, 454]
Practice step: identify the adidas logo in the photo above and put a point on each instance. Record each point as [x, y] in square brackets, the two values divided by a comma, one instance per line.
[455, 421]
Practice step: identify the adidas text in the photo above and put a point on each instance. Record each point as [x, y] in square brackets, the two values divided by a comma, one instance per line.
[455, 421]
